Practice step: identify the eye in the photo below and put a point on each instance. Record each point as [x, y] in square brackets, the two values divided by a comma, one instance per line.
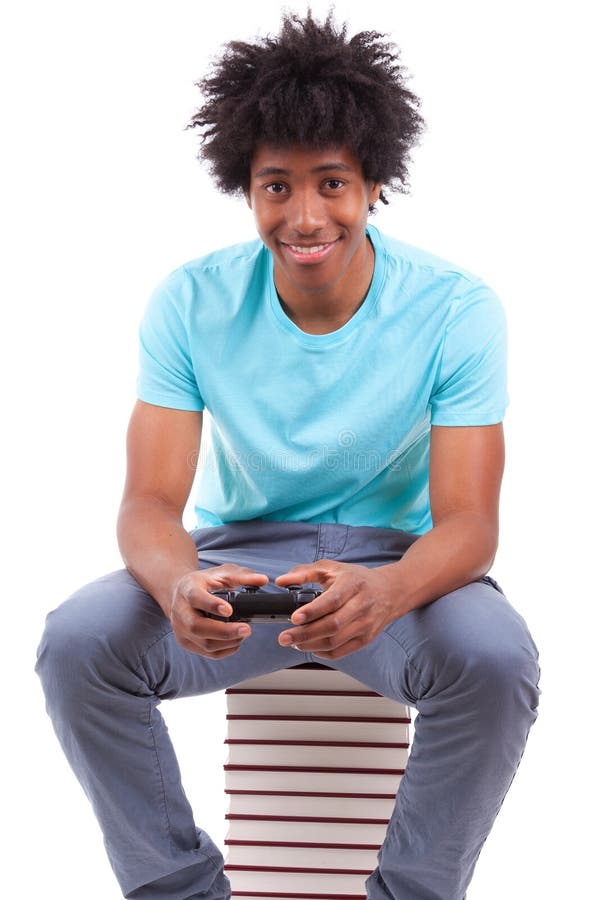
[334, 184]
[276, 187]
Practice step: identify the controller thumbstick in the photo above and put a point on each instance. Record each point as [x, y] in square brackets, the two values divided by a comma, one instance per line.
[294, 587]
[250, 588]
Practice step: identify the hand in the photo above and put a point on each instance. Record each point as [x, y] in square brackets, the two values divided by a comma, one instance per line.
[354, 608]
[192, 629]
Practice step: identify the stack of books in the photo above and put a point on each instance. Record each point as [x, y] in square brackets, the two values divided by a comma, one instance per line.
[314, 763]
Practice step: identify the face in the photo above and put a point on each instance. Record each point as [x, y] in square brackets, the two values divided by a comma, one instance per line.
[310, 208]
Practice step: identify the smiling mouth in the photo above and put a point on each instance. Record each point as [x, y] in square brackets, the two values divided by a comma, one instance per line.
[316, 248]
[309, 253]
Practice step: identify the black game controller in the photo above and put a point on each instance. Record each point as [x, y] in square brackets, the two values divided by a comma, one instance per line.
[253, 605]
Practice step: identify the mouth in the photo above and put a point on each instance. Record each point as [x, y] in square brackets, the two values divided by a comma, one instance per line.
[309, 253]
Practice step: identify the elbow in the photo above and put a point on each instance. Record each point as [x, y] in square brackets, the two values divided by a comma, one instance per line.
[487, 540]
[479, 539]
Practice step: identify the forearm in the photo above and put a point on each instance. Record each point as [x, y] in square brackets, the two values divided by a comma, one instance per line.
[155, 547]
[458, 550]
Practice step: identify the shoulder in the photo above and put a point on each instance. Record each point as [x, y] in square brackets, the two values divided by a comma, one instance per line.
[411, 261]
[216, 264]
[418, 258]
[432, 281]
[223, 263]
[213, 274]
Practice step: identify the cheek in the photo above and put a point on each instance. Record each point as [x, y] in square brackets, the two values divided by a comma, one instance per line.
[357, 217]
[260, 225]
[265, 219]
[360, 209]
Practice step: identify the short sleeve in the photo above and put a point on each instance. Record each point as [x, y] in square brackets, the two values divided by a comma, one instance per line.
[471, 383]
[166, 373]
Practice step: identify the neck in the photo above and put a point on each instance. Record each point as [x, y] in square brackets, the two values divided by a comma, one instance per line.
[328, 308]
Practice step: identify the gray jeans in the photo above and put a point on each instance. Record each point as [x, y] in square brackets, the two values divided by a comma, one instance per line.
[466, 662]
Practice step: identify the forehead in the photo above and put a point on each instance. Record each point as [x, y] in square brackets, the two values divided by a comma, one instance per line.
[269, 159]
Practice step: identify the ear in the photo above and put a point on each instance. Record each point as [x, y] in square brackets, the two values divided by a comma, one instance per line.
[248, 199]
[374, 192]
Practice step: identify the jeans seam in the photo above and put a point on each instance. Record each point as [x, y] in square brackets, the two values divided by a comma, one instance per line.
[163, 793]
[214, 862]
[409, 660]
[343, 547]
[144, 653]
[160, 775]
[318, 546]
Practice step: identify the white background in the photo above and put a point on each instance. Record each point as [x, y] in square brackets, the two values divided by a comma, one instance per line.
[102, 197]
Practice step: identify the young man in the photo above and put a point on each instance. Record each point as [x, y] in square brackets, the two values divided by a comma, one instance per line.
[356, 387]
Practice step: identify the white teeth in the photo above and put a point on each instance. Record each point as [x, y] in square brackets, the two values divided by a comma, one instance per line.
[308, 250]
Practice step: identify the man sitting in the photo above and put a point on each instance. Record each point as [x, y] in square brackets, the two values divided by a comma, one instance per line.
[356, 388]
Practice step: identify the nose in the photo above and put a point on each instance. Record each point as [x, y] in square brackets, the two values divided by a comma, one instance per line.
[305, 211]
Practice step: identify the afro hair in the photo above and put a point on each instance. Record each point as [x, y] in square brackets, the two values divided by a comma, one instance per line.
[310, 86]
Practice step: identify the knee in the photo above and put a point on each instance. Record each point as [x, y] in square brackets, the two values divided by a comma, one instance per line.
[73, 642]
[93, 638]
[500, 693]
[502, 689]
[66, 657]
[484, 646]
[502, 652]
[505, 671]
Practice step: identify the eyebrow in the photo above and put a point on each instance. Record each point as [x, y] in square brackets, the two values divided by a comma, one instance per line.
[326, 167]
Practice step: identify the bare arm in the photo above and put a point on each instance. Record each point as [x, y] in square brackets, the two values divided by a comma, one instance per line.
[156, 548]
[162, 446]
[465, 475]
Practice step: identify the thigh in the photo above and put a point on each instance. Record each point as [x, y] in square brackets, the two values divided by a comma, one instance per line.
[474, 627]
[113, 628]
[472, 632]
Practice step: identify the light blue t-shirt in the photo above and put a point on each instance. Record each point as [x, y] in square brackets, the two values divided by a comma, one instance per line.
[323, 427]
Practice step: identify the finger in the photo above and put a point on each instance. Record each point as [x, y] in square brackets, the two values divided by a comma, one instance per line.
[327, 602]
[199, 627]
[321, 644]
[213, 646]
[197, 589]
[301, 635]
[217, 645]
[307, 640]
[332, 624]
[194, 599]
[318, 572]
[339, 642]
[205, 629]
[231, 575]
[201, 650]
[202, 643]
